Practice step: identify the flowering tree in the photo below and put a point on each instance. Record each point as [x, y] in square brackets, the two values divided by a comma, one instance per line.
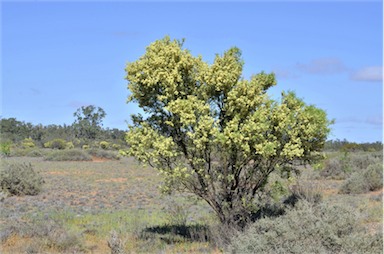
[211, 132]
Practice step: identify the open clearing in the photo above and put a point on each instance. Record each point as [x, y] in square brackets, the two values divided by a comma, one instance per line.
[90, 199]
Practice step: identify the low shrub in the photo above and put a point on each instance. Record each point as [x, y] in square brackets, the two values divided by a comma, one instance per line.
[368, 180]
[28, 143]
[20, 179]
[104, 145]
[116, 146]
[48, 235]
[115, 243]
[57, 143]
[110, 155]
[70, 145]
[35, 153]
[308, 191]
[344, 165]
[176, 212]
[68, 155]
[333, 169]
[308, 228]
[5, 149]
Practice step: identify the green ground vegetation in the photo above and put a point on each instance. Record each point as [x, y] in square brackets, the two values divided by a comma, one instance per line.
[91, 207]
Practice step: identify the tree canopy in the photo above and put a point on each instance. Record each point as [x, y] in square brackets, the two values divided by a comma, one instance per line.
[88, 121]
[213, 133]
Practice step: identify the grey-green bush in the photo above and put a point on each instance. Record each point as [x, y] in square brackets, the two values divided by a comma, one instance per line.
[20, 179]
[308, 228]
[46, 233]
[111, 155]
[68, 155]
[56, 143]
[369, 179]
[344, 165]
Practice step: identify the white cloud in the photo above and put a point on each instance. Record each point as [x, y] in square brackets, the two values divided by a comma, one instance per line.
[285, 74]
[370, 73]
[330, 65]
[371, 120]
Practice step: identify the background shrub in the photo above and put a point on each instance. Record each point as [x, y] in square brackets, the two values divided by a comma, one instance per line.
[70, 145]
[46, 234]
[104, 145]
[57, 143]
[5, 149]
[116, 146]
[333, 169]
[344, 165]
[35, 153]
[308, 228]
[368, 180]
[111, 155]
[28, 143]
[68, 155]
[20, 179]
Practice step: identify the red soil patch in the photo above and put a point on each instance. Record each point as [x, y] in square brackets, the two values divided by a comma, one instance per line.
[376, 192]
[113, 180]
[98, 159]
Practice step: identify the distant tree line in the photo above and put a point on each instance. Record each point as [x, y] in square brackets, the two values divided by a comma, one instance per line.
[346, 146]
[86, 128]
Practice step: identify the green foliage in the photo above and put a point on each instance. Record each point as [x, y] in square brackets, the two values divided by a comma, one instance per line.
[20, 179]
[345, 146]
[345, 164]
[104, 145]
[116, 146]
[308, 228]
[88, 121]
[5, 148]
[70, 145]
[57, 143]
[99, 153]
[370, 179]
[14, 130]
[68, 155]
[28, 143]
[213, 133]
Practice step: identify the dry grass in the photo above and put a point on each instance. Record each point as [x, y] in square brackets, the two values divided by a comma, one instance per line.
[92, 198]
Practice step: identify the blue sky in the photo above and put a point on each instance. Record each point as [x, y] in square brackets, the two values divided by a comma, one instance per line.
[59, 56]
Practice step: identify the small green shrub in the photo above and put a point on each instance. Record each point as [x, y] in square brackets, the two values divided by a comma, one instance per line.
[116, 146]
[104, 145]
[308, 228]
[70, 145]
[57, 143]
[85, 147]
[5, 149]
[28, 143]
[20, 179]
[368, 180]
[68, 155]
